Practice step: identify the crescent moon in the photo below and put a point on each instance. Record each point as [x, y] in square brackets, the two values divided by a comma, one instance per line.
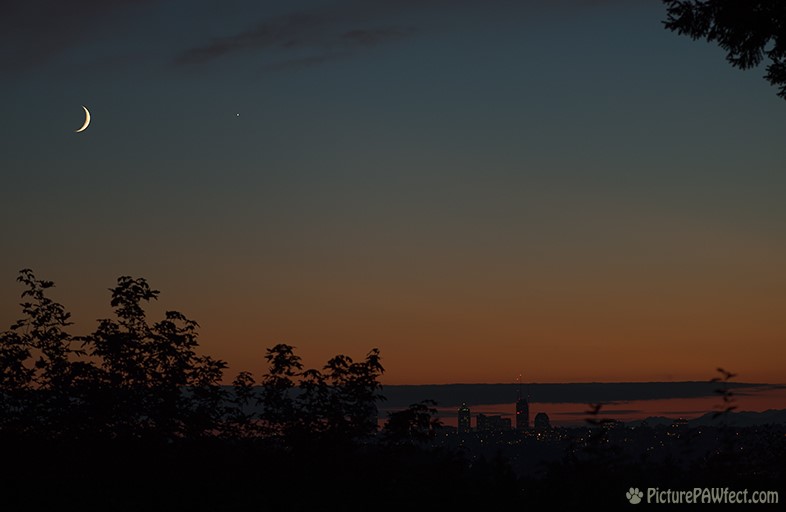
[87, 120]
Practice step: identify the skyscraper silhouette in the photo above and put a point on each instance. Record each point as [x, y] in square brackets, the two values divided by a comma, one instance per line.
[542, 422]
[464, 419]
[522, 410]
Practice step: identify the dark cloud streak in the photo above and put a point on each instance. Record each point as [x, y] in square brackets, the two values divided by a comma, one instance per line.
[306, 62]
[287, 32]
[338, 27]
[321, 34]
[34, 32]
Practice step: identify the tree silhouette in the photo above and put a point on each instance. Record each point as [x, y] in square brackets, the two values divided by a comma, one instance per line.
[129, 379]
[122, 349]
[41, 386]
[353, 394]
[15, 382]
[749, 31]
[313, 403]
[152, 382]
[416, 424]
[727, 395]
[240, 417]
[338, 402]
[278, 413]
[135, 380]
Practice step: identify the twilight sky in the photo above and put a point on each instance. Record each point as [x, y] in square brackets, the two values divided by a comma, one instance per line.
[560, 189]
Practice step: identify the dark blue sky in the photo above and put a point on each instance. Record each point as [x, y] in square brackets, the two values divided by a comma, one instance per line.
[471, 186]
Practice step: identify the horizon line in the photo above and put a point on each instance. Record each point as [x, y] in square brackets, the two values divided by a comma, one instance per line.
[735, 383]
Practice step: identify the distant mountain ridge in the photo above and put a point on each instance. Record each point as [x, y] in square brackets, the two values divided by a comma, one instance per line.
[733, 419]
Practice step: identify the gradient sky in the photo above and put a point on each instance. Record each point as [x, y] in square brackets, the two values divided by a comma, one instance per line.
[560, 189]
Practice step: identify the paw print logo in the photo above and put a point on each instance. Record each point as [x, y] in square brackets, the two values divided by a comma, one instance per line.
[634, 495]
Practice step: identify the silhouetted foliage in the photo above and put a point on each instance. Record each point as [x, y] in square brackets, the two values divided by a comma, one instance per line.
[418, 423]
[352, 395]
[128, 379]
[239, 422]
[42, 388]
[749, 31]
[594, 418]
[727, 395]
[151, 382]
[278, 413]
[135, 380]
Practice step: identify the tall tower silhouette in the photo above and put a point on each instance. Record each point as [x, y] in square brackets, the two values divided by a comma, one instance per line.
[522, 410]
[464, 419]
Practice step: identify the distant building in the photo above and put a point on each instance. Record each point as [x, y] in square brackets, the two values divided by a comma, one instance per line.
[464, 419]
[542, 422]
[679, 423]
[611, 424]
[522, 414]
[492, 423]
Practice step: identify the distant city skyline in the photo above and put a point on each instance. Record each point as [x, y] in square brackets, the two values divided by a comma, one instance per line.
[568, 404]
